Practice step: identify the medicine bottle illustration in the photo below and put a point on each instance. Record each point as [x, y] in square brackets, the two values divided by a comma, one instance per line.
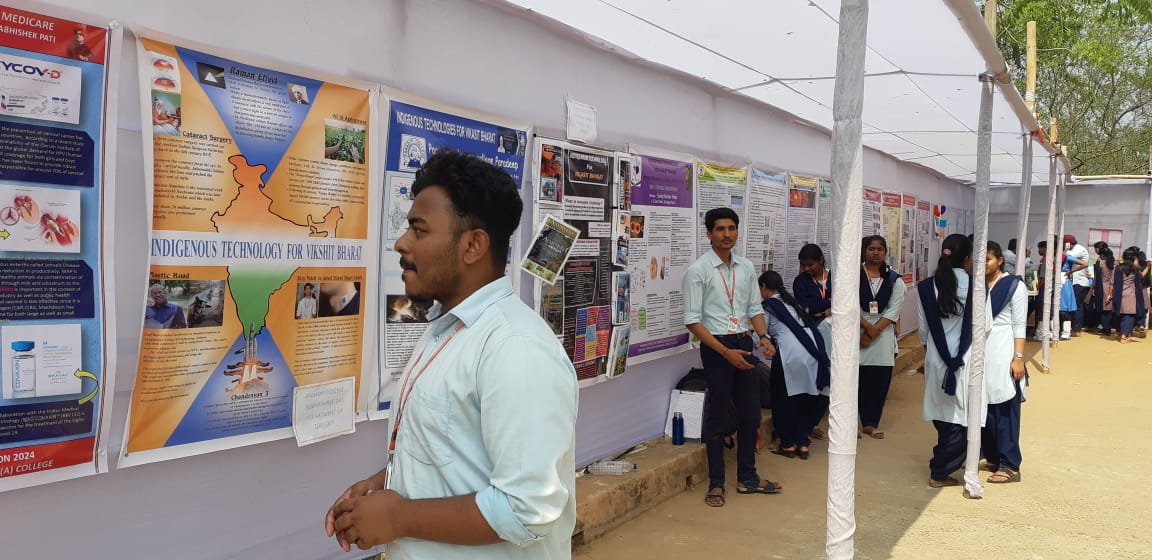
[24, 369]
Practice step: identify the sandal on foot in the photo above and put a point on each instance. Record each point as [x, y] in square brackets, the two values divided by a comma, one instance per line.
[949, 481]
[714, 498]
[758, 487]
[787, 453]
[1004, 476]
[818, 434]
[802, 453]
[873, 432]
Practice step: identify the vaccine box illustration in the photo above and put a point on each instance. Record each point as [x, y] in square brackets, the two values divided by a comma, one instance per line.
[40, 360]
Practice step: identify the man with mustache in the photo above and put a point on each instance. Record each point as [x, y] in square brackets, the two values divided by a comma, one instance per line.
[722, 308]
[482, 449]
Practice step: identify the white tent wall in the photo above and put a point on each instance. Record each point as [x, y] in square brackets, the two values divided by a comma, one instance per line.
[1120, 205]
[267, 501]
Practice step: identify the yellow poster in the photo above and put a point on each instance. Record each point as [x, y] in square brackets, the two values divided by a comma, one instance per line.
[259, 279]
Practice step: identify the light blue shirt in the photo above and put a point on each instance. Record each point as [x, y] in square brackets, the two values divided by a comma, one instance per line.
[494, 414]
[706, 299]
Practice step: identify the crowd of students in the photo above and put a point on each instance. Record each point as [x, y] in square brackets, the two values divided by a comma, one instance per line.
[799, 324]
[794, 333]
[1108, 295]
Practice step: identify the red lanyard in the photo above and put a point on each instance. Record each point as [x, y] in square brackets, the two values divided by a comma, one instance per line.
[875, 290]
[822, 286]
[403, 395]
[730, 292]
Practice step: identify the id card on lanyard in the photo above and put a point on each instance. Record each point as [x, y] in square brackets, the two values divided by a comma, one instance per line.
[406, 387]
[873, 306]
[730, 291]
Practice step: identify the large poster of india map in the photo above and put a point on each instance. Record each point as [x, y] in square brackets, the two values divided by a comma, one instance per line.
[258, 281]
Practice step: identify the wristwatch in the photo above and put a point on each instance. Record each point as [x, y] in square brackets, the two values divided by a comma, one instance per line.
[1019, 355]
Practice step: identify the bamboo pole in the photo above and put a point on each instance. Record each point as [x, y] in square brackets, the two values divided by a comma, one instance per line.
[1094, 177]
[977, 30]
[847, 191]
[990, 15]
[1030, 93]
[1025, 207]
[1026, 179]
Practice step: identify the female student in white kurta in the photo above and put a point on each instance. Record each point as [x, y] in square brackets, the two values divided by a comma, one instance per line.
[1003, 368]
[800, 369]
[944, 300]
[881, 297]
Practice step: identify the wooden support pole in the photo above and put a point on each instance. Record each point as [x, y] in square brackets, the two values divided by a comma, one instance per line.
[990, 15]
[1030, 92]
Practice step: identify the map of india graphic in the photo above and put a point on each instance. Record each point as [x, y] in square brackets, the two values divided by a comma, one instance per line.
[249, 213]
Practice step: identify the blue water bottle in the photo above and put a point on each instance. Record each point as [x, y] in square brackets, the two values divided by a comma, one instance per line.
[677, 428]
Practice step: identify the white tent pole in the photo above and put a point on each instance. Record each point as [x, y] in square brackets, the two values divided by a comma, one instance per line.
[1062, 188]
[972, 486]
[1025, 206]
[1049, 267]
[847, 192]
[1062, 200]
[1148, 241]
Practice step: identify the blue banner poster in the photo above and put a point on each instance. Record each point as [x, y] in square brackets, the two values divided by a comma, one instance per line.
[415, 132]
[54, 74]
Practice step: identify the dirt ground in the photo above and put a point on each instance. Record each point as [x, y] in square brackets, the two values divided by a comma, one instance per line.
[1086, 435]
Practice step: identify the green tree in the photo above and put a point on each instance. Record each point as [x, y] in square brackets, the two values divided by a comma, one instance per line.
[1094, 75]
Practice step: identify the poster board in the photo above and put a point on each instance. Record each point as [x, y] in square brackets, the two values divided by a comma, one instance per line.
[767, 219]
[262, 264]
[416, 128]
[663, 246]
[802, 197]
[908, 239]
[60, 70]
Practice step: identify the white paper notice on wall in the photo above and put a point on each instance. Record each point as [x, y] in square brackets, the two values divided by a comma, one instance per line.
[324, 410]
[581, 122]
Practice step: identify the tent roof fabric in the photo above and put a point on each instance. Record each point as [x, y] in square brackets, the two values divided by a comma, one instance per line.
[922, 91]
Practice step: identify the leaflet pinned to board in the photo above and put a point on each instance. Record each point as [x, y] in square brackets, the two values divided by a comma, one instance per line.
[322, 411]
[550, 249]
